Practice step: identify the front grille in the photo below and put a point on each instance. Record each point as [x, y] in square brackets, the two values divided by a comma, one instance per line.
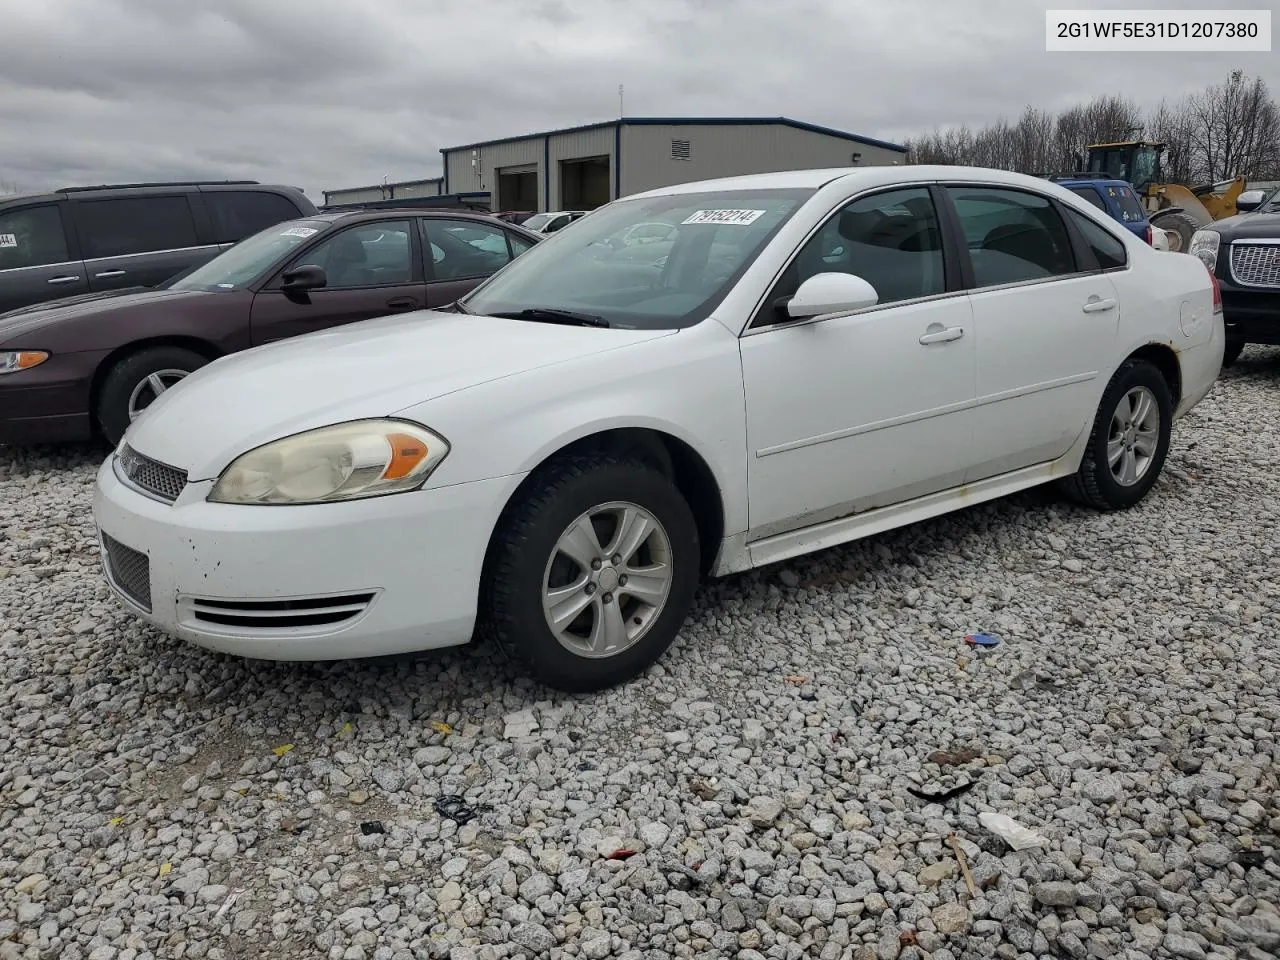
[272, 615]
[158, 479]
[130, 571]
[1256, 264]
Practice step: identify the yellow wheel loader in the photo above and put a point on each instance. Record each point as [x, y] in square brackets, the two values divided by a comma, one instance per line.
[1176, 209]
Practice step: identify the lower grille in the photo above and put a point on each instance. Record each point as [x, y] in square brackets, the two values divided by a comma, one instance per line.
[1256, 264]
[152, 476]
[130, 571]
[270, 615]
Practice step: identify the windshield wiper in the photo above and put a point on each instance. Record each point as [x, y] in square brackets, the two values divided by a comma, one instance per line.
[550, 315]
[456, 307]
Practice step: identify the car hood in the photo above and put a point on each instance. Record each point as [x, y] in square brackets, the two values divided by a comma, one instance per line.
[38, 317]
[1248, 226]
[368, 369]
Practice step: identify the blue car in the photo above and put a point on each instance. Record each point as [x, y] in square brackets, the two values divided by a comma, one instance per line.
[1116, 199]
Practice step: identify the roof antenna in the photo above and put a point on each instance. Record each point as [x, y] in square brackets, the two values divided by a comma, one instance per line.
[621, 112]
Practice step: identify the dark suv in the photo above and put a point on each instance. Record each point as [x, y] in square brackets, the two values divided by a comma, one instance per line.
[72, 368]
[88, 240]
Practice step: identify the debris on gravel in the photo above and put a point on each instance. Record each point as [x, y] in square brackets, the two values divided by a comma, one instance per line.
[750, 797]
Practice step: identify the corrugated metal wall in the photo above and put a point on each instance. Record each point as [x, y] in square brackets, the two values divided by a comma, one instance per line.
[356, 195]
[413, 188]
[419, 188]
[578, 146]
[462, 177]
[727, 151]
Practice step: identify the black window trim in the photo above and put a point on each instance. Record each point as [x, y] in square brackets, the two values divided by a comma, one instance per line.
[69, 234]
[1085, 253]
[953, 264]
[276, 274]
[429, 264]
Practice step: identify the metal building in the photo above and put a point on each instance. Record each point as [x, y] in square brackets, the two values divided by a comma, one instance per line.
[385, 191]
[580, 168]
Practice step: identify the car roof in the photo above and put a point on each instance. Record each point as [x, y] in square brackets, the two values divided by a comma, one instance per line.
[852, 176]
[1090, 182]
[118, 190]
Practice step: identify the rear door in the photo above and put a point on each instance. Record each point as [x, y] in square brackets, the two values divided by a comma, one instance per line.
[38, 260]
[373, 270]
[138, 241]
[461, 254]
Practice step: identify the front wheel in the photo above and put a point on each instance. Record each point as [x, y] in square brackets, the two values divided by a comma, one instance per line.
[591, 572]
[1129, 441]
[1232, 352]
[135, 382]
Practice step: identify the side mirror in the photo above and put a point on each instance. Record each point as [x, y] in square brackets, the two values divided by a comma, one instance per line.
[304, 278]
[830, 293]
[1250, 200]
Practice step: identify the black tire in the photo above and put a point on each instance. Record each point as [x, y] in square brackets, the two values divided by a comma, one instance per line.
[1232, 352]
[112, 409]
[1093, 484]
[524, 544]
[1179, 223]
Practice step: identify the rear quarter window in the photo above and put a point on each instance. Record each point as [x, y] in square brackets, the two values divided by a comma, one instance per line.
[1089, 194]
[1130, 209]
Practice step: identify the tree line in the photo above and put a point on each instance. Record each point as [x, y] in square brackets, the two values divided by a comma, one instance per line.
[1223, 131]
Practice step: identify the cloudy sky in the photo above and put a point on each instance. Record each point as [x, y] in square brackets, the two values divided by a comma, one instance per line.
[331, 93]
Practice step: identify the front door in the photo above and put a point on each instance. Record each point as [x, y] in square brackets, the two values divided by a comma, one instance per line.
[372, 270]
[1045, 323]
[36, 261]
[868, 409]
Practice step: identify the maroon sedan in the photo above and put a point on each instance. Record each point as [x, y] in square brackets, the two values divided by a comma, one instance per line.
[86, 366]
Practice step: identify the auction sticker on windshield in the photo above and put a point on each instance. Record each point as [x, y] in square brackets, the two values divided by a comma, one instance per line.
[736, 217]
[303, 232]
[8, 239]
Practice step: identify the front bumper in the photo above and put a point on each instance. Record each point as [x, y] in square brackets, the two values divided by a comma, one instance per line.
[387, 575]
[1250, 314]
[49, 403]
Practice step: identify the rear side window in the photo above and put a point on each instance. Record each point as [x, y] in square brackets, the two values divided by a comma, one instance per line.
[32, 237]
[1013, 235]
[238, 214]
[1090, 194]
[1130, 209]
[1110, 251]
[116, 228]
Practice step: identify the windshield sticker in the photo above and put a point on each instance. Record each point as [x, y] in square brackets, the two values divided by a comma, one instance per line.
[303, 232]
[226, 286]
[739, 218]
[8, 239]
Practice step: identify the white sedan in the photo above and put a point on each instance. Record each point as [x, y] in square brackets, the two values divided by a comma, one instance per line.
[557, 460]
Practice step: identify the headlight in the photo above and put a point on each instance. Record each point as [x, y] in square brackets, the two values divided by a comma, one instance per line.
[349, 461]
[1204, 244]
[11, 361]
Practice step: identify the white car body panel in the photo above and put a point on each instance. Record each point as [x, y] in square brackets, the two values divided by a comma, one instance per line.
[816, 432]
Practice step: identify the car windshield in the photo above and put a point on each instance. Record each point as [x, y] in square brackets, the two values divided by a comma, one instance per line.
[601, 268]
[537, 221]
[238, 266]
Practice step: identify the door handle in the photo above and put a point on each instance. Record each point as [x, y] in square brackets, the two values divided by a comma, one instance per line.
[110, 273]
[940, 335]
[1098, 305]
[65, 279]
[402, 303]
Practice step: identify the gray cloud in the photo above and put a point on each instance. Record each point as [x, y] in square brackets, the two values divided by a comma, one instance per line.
[327, 93]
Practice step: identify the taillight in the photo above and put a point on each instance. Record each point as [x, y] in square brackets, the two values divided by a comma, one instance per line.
[1149, 235]
[1217, 290]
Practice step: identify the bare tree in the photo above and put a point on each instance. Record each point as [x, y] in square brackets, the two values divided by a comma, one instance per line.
[8, 186]
[1235, 129]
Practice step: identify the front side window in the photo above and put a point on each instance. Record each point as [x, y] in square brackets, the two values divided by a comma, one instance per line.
[117, 228]
[237, 214]
[892, 240]
[238, 266]
[1012, 235]
[1109, 250]
[32, 237]
[713, 237]
[372, 255]
[519, 244]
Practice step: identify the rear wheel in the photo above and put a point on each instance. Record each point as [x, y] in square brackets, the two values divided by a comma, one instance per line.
[591, 572]
[1180, 227]
[135, 382]
[1129, 441]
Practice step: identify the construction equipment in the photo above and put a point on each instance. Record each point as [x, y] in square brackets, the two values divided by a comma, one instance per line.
[1177, 209]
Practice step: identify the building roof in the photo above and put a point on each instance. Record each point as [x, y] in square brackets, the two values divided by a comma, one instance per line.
[383, 186]
[692, 122]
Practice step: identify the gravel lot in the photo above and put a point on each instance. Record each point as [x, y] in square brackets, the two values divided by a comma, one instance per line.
[161, 802]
